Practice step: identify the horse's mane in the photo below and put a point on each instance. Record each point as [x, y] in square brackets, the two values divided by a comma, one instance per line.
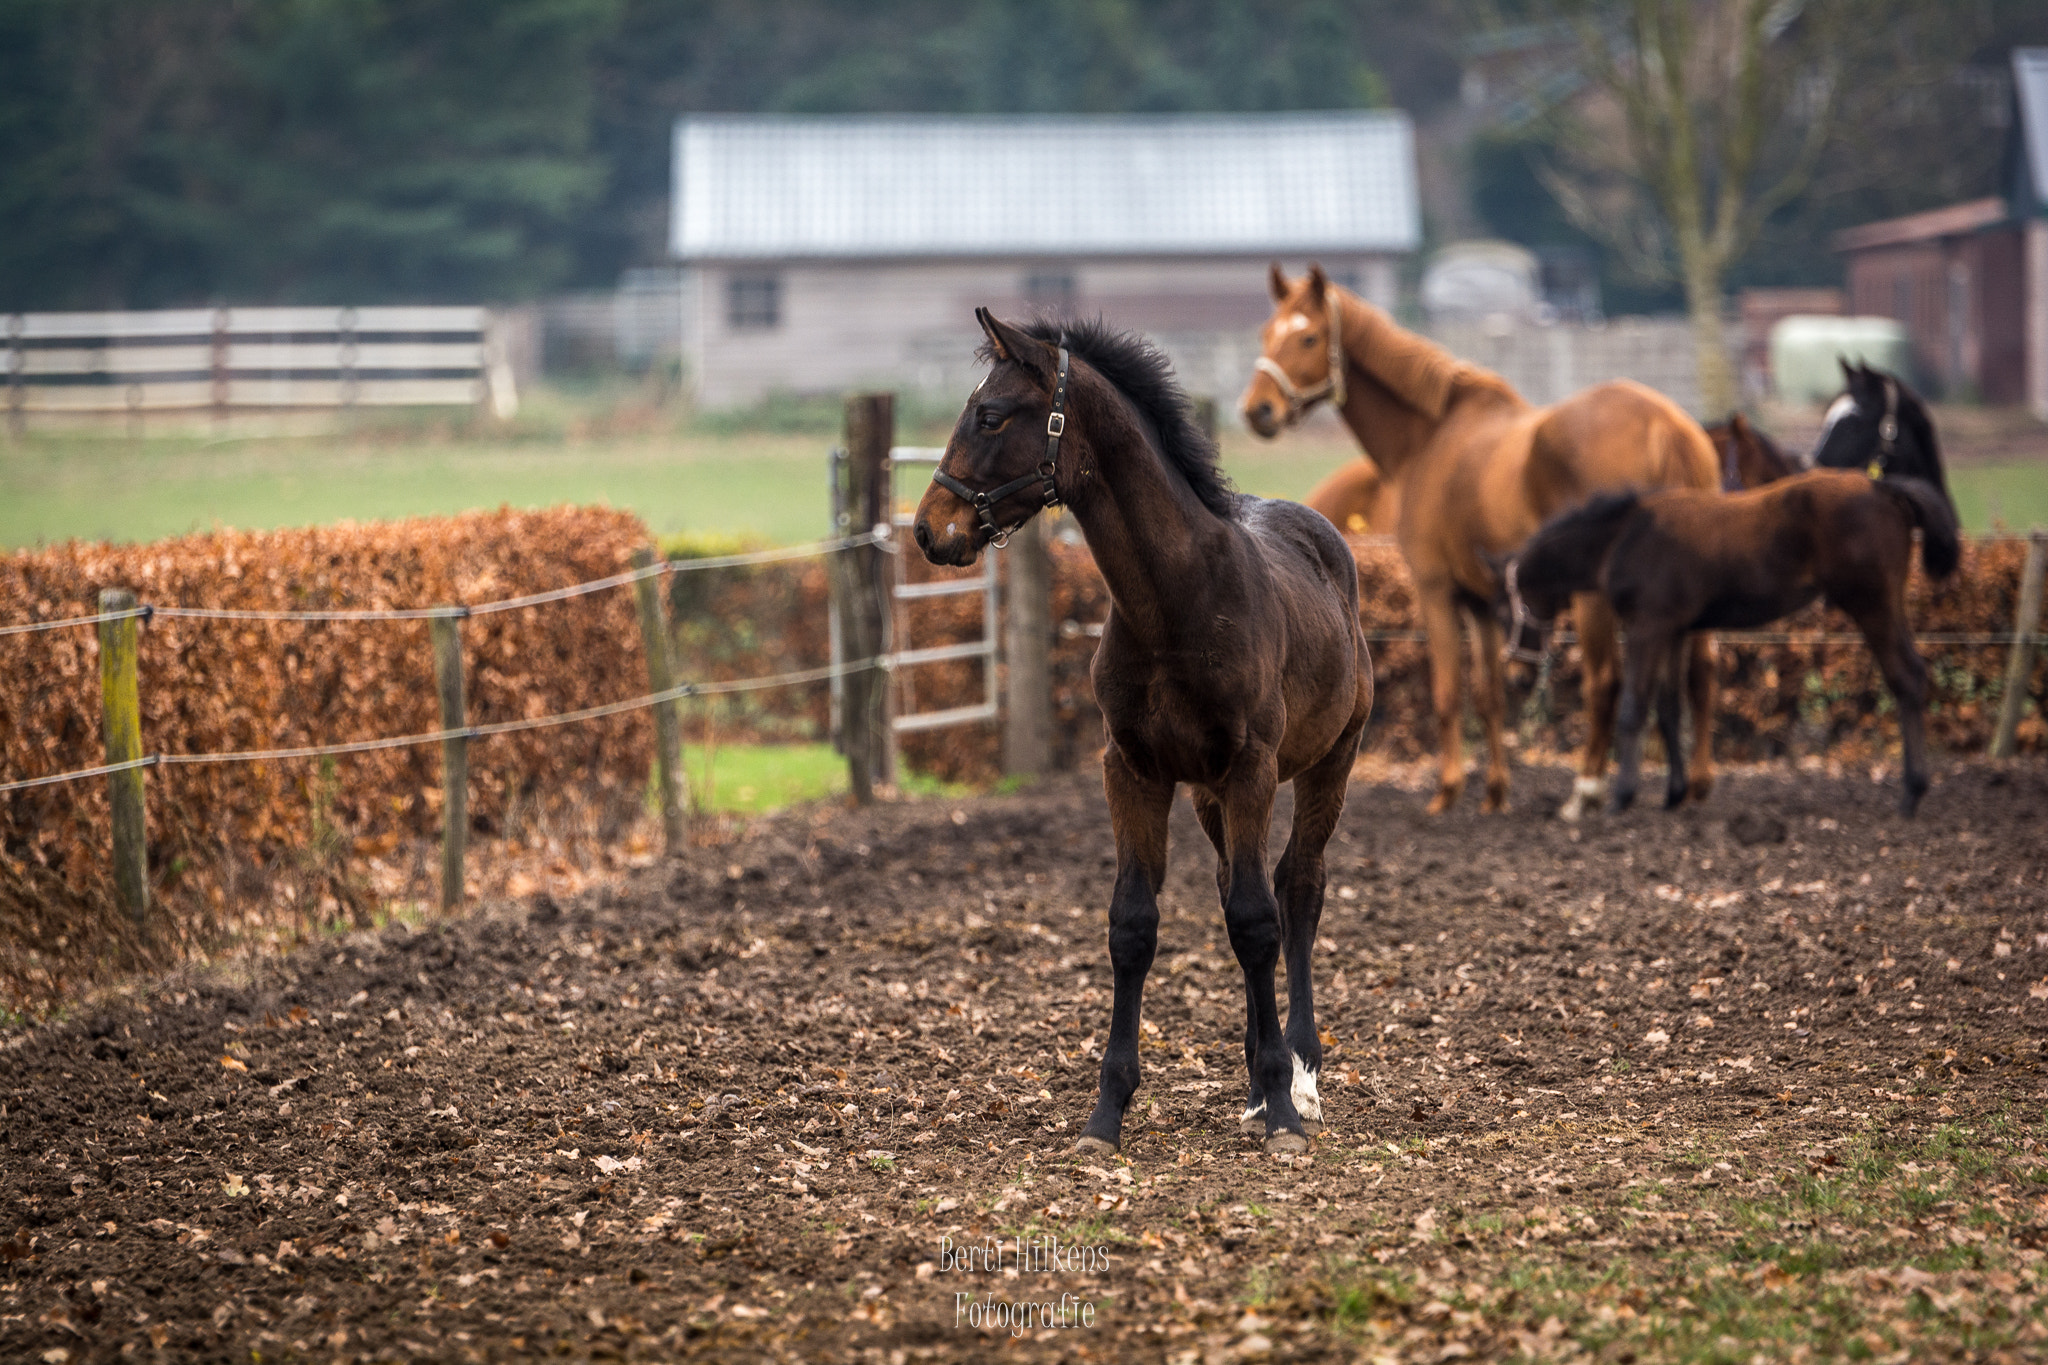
[1415, 369]
[1913, 414]
[1590, 526]
[1141, 372]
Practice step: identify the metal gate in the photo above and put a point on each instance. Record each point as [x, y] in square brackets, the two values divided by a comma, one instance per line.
[904, 655]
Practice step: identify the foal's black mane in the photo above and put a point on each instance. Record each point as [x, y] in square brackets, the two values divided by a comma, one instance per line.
[1598, 514]
[1142, 373]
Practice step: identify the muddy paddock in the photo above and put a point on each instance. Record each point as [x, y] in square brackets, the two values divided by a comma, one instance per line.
[1764, 1076]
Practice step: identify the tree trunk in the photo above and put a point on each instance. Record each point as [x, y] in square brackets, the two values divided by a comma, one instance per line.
[1718, 394]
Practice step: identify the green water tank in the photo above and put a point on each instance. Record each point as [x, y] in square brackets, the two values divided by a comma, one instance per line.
[1806, 347]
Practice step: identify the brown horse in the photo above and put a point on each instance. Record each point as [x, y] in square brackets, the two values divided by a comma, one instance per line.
[1681, 561]
[1478, 469]
[1232, 661]
[1356, 499]
[1749, 459]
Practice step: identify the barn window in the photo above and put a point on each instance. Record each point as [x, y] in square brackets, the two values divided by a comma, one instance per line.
[753, 303]
[1049, 289]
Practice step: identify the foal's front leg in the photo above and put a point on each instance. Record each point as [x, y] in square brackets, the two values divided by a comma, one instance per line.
[1137, 812]
[1252, 916]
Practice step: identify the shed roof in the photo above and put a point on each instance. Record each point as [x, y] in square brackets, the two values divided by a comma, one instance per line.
[1951, 220]
[751, 187]
[2030, 85]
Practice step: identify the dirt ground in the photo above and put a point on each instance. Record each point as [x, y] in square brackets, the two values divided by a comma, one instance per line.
[1761, 1078]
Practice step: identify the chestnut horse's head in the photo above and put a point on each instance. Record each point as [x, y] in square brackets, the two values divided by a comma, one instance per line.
[1301, 357]
[997, 472]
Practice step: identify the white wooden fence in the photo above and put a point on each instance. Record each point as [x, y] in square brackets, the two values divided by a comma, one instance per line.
[242, 359]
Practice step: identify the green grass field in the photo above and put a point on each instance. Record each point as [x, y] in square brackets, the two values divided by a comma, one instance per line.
[765, 484]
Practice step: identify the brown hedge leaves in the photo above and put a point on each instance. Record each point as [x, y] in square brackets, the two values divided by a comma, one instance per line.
[220, 686]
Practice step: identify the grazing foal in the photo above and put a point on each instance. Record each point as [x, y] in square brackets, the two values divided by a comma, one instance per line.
[1232, 661]
[1679, 561]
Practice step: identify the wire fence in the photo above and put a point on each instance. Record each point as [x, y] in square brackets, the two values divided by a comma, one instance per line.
[145, 612]
[824, 673]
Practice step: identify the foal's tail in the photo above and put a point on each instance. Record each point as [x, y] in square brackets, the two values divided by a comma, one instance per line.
[1941, 547]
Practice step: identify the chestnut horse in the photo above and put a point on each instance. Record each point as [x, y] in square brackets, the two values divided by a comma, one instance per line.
[1749, 459]
[1477, 470]
[1357, 499]
[1680, 561]
[1232, 661]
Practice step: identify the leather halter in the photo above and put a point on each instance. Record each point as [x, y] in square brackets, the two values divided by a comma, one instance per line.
[1300, 401]
[984, 504]
[1887, 432]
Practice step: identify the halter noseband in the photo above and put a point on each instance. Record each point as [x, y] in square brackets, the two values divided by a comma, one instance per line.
[985, 504]
[1332, 387]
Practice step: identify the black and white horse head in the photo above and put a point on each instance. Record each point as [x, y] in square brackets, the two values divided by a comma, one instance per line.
[1880, 424]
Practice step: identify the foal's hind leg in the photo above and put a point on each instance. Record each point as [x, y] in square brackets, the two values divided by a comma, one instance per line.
[1298, 884]
[1137, 811]
[1703, 686]
[1252, 916]
[1668, 715]
[1890, 637]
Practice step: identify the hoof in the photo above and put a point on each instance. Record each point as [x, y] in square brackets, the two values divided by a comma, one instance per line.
[1313, 1127]
[1443, 800]
[1089, 1145]
[1288, 1143]
[1494, 805]
[1252, 1126]
[1700, 789]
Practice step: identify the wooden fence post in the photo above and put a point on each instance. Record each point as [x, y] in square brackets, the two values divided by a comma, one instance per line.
[668, 727]
[862, 582]
[2025, 641]
[1027, 701]
[447, 637]
[121, 710]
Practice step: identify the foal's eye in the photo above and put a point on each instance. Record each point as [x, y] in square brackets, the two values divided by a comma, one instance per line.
[990, 420]
[1308, 339]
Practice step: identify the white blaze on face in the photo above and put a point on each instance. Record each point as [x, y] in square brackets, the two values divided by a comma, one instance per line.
[1299, 322]
[952, 528]
[1837, 410]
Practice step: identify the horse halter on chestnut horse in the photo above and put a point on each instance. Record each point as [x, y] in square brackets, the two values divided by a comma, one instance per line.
[1332, 387]
[984, 504]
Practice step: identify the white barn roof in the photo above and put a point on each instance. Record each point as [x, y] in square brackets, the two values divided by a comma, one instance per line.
[750, 187]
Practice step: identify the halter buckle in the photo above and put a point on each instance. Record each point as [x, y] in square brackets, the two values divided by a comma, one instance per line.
[1056, 424]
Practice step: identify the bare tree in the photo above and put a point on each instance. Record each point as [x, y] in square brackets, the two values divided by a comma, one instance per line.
[1703, 118]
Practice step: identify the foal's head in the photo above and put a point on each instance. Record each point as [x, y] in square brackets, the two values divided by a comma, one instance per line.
[1299, 361]
[995, 474]
[1880, 424]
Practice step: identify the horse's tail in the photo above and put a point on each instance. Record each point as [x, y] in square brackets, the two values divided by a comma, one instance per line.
[1941, 546]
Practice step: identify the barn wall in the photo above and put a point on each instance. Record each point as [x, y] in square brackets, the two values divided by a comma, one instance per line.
[910, 325]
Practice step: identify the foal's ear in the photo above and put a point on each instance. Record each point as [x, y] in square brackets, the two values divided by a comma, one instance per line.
[1276, 280]
[1008, 343]
[1318, 283]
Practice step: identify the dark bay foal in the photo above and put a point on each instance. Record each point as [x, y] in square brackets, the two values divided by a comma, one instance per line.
[1232, 661]
[1679, 561]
